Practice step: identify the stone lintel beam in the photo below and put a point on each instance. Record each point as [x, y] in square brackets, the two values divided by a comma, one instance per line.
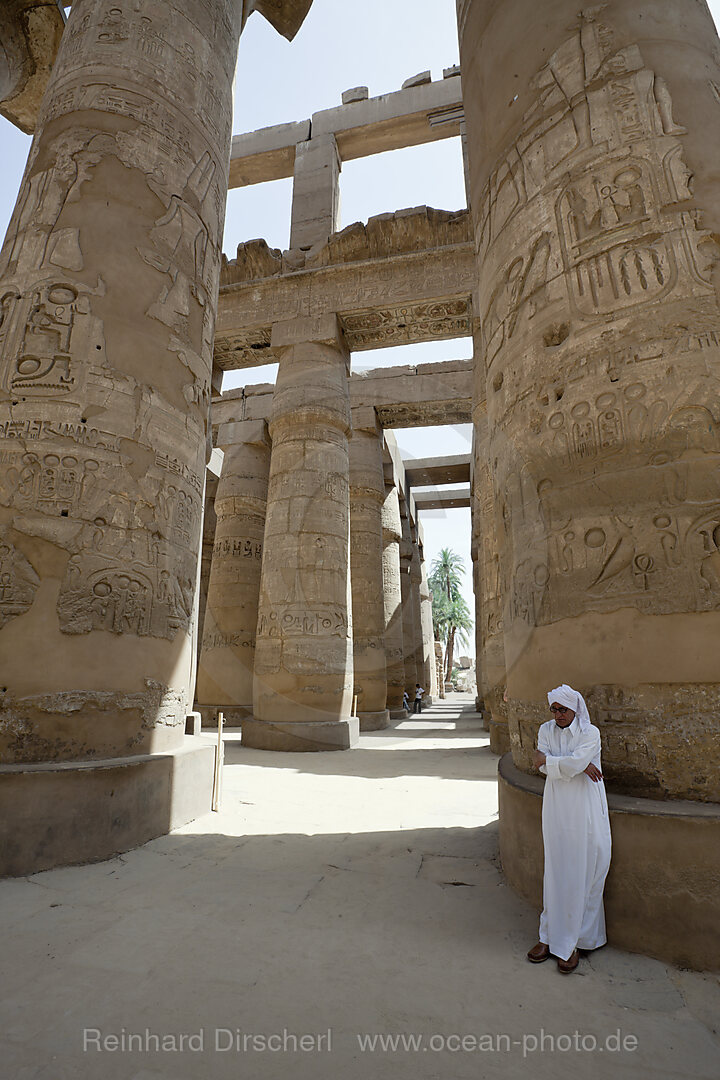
[423, 396]
[267, 154]
[417, 396]
[401, 300]
[30, 32]
[410, 117]
[442, 500]
[430, 472]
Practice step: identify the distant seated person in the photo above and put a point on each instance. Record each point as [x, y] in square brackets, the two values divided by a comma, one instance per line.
[418, 697]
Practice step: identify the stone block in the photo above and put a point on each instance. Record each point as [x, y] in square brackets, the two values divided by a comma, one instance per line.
[58, 814]
[417, 80]
[302, 736]
[357, 93]
[374, 721]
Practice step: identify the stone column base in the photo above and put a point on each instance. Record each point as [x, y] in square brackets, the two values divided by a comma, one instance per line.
[499, 737]
[234, 714]
[301, 735]
[661, 895]
[60, 813]
[374, 721]
[399, 714]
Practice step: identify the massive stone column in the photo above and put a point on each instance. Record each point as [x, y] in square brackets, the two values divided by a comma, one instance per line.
[316, 192]
[429, 677]
[408, 606]
[594, 147]
[367, 496]
[416, 608]
[108, 282]
[303, 655]
[227, 652]
[392, 596]
[489, 591]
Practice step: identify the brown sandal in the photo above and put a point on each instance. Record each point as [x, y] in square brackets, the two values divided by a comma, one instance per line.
[569, 965]
[538, 953]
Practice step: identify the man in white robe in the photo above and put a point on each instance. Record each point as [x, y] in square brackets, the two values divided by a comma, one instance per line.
[576, 832]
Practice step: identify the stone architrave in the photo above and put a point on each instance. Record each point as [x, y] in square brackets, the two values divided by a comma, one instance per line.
[409, 623]
[108, 283]
[367, 496]
[392, 595]
[227, 650]
[594, 159]
[303, 654]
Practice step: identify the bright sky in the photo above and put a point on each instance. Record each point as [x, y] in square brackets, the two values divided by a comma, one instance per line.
[384, 42]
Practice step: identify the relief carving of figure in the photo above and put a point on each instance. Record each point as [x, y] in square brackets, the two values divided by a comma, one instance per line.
[18, 582]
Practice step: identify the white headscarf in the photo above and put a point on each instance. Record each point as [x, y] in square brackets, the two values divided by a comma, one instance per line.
[565, 695]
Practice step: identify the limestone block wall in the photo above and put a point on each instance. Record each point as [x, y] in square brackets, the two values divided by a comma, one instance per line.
[593, 158]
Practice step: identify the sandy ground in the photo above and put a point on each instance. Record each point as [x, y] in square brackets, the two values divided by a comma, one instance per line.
[335, 896]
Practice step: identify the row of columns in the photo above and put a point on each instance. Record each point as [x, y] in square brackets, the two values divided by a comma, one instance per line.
[318, 613]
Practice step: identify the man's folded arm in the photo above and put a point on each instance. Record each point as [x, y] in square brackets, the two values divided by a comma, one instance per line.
[564, 768]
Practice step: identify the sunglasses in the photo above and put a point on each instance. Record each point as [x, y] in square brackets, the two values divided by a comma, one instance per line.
[559, 709]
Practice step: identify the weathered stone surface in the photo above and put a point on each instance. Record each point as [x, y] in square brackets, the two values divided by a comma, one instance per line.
[418, 228]
[408, 590]
[418, 80]
[106, 343]
[287, 16]
[30, 33]
[303, 655]
[443, 500]
[392, 598]
[599, 322]
[422, 396]
[429, 679]
[360, 126]
[487, 533]
[316, 192]
[227, 645]
[367, 496]
[412, 283]
[356, 93]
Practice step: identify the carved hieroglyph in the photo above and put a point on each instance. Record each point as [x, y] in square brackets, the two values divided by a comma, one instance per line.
[599, 329]
[367, 495]
[108, 280]
[227, 647]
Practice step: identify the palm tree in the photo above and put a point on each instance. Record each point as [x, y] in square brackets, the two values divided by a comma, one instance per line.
[451, 615]
[459, 625]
